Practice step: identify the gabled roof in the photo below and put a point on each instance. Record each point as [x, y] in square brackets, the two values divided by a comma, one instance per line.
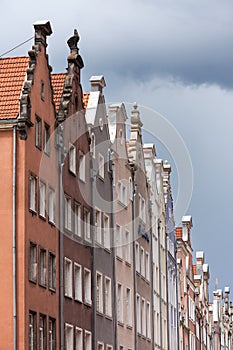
[58, 86]
[12, 76]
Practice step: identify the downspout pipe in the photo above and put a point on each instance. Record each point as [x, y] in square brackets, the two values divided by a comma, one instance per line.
[177, 304]
[61, 157]
[152, 275]
[167, 293]
[132, 168]
[92, 177]
[111, 167]
[160, 286]
[14, 243]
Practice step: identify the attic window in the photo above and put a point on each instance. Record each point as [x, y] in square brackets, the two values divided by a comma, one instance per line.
[42, 90]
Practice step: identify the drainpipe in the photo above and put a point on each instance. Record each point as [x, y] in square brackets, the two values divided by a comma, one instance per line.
[111, 167]
[132, 168]
[61, 157]
[168, 301]
[160, 287]
[177, 305]
[152, 275]
[92, 177]
[14, 238]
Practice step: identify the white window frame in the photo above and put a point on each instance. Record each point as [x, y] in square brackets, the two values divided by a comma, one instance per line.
[86, 225]
[87, 286]
[98, 226]
[78, 293]
[32, 262]
[68, 213]
[52, 271]
[128, 301]
[51, 205]
[109, 347]
[72, 158]
[42, 204]
[127, 247]
[42, 267]
[69, 332]
[77, 219]
[47, 143]
[108, 296]
[32, 330]
[147, 266]
[99, 292]
[32, 192]
[87, 334]
[100, 345]
[78, 338]
[42, 332]
[120, 316]
[143, 307]
[101, 166]
[142, 261]
[137, 248]
[107, 232]
[52, 334]
[82, 166]
[138, 313]
[68, 278]
[119, 241]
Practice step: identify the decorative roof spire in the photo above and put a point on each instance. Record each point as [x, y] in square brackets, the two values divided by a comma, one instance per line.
[73, 42]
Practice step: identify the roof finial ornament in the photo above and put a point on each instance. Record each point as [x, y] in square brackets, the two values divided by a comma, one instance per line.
[73, 41]
[135, 106]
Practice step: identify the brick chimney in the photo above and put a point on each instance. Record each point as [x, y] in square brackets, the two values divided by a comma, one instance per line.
[42, 30]
[187, 225]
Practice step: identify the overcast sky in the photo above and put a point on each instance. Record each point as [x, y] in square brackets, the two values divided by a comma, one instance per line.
[174, 57]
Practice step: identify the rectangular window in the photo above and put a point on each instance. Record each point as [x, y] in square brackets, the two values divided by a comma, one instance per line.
[42, 95]
[147, 266]
[118, 242]
[108, 297]
[127, 247]
[52, 334]
[100, 346]
[148, 323]
[138, 313]
[32, 192]
[87, 286]
[38, 133]
[42, 267]
[32, 330]
[119, 303]
[92, 145]
[77, 220]
[33, 262]
[77, 282]
[107, 232]
[68, 278]
[128, 307]
[86, 224]
[137, 257]
[82, 166]
[98, 228]
[51, 206]
[88, 340]
[78, 339]
[42, 208]
[69, 336]
[47, 139]
[42, 333]
[99, 292]
[142, 209]
[143, 317]
[72, 159]
[101, 166]
[68, 212]
[142, 262]
[52, 271]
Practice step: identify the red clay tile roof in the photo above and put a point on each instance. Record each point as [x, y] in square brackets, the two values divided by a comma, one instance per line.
[179, 232]
[12, 76]
[85, 99]
[194, 269]
[58, 86]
